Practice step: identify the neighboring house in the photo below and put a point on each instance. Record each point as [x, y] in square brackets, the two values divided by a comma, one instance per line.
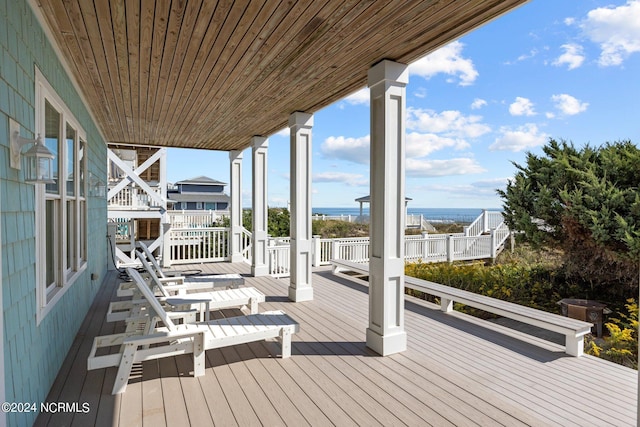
[200, 193]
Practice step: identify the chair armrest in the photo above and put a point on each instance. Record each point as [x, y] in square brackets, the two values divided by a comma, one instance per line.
[175, 279]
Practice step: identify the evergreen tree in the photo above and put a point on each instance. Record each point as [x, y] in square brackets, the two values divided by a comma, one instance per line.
[586, 201]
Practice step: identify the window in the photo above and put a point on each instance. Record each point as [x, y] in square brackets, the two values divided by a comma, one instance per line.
[183, 205]
[199, 205]
[61, 225]
[210, 206]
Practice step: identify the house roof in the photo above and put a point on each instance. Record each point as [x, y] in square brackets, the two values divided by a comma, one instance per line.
[205, 74]
[201, 180]
[198, 197]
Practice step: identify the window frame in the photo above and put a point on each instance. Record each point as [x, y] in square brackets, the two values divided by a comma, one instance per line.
[69, 258]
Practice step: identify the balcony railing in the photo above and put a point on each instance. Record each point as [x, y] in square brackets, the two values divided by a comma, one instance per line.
[209, 244]
[132, 198]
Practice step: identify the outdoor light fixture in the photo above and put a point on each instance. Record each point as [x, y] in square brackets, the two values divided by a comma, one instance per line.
[39, 158]
[97, 187]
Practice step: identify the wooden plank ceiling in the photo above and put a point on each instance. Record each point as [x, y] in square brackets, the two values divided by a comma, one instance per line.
[207, 74]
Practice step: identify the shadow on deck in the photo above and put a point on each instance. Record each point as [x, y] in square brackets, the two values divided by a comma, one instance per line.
[457, 370]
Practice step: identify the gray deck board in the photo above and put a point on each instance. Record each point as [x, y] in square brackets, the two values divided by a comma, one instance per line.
[457, 370]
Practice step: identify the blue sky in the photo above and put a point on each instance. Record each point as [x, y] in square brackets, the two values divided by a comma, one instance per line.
[550, 69]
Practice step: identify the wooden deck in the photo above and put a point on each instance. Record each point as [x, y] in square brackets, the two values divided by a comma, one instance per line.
[456, 371]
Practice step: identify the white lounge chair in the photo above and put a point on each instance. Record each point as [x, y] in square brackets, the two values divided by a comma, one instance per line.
[179, 283]
[227, 280]
[188, 338]
[247, 298]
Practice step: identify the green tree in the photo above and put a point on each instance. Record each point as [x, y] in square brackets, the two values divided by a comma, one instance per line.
[585, 201]
[278, 220]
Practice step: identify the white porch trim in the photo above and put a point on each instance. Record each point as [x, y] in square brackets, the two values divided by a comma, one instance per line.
[134, 176]
[259, 260]
[235, 208]
[301, 245]
[387, 82]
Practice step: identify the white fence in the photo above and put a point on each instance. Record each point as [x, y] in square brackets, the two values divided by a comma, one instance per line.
[208, 244]
[196, 245]
[132, 197]
[194, 219]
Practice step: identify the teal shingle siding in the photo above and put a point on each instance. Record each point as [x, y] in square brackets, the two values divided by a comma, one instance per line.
[34, 353]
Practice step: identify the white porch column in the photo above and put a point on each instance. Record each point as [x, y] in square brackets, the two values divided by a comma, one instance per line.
[259, 261]
[300, 288]
[387, 81]
[235, 208]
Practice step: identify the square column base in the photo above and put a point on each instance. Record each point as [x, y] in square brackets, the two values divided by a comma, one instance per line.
[237, 258]
[259, 270]
[301, 294]
[388, 344]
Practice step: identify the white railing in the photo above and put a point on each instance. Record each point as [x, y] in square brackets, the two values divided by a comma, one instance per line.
[124, 228]
[346, 218]
[194, 219]
[487, 221]
[247, 245]
[196, 245]
[356, 250]
[468, 248]
[414, 221]
[279, 259]
[324, 251]
[132, 197]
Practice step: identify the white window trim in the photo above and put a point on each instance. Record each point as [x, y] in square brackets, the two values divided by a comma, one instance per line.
[47, 299]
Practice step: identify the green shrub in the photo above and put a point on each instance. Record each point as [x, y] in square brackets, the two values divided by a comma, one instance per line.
[521, 283]
[621, 346]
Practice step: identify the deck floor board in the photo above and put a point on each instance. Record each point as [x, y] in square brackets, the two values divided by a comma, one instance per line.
[457, 370]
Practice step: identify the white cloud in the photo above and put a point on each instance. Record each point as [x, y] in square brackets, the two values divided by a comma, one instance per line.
[350, 179]
[360, 97]
[522, 138]
[572, 56]
[283, 132]
[569, 105]
[486, 187]
[616, 30]
[448, 60]
[420, 93]
[352, 149]
[423, 144]
[417, 145]
[449, 123]
[522, 107]
[478, 103]
[531, 54]
[449, 167]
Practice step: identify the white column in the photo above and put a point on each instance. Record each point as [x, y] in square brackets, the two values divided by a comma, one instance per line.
[387, 81]
[164, 219]
[235, 208]
[300, 288]
[259, 261]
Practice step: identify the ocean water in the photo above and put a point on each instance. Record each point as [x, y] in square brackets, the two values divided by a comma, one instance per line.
[460, 215]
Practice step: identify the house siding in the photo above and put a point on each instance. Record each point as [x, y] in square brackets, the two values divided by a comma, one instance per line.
[33, 353]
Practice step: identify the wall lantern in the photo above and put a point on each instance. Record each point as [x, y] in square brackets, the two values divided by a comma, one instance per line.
[97, 187]
[39, 159]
